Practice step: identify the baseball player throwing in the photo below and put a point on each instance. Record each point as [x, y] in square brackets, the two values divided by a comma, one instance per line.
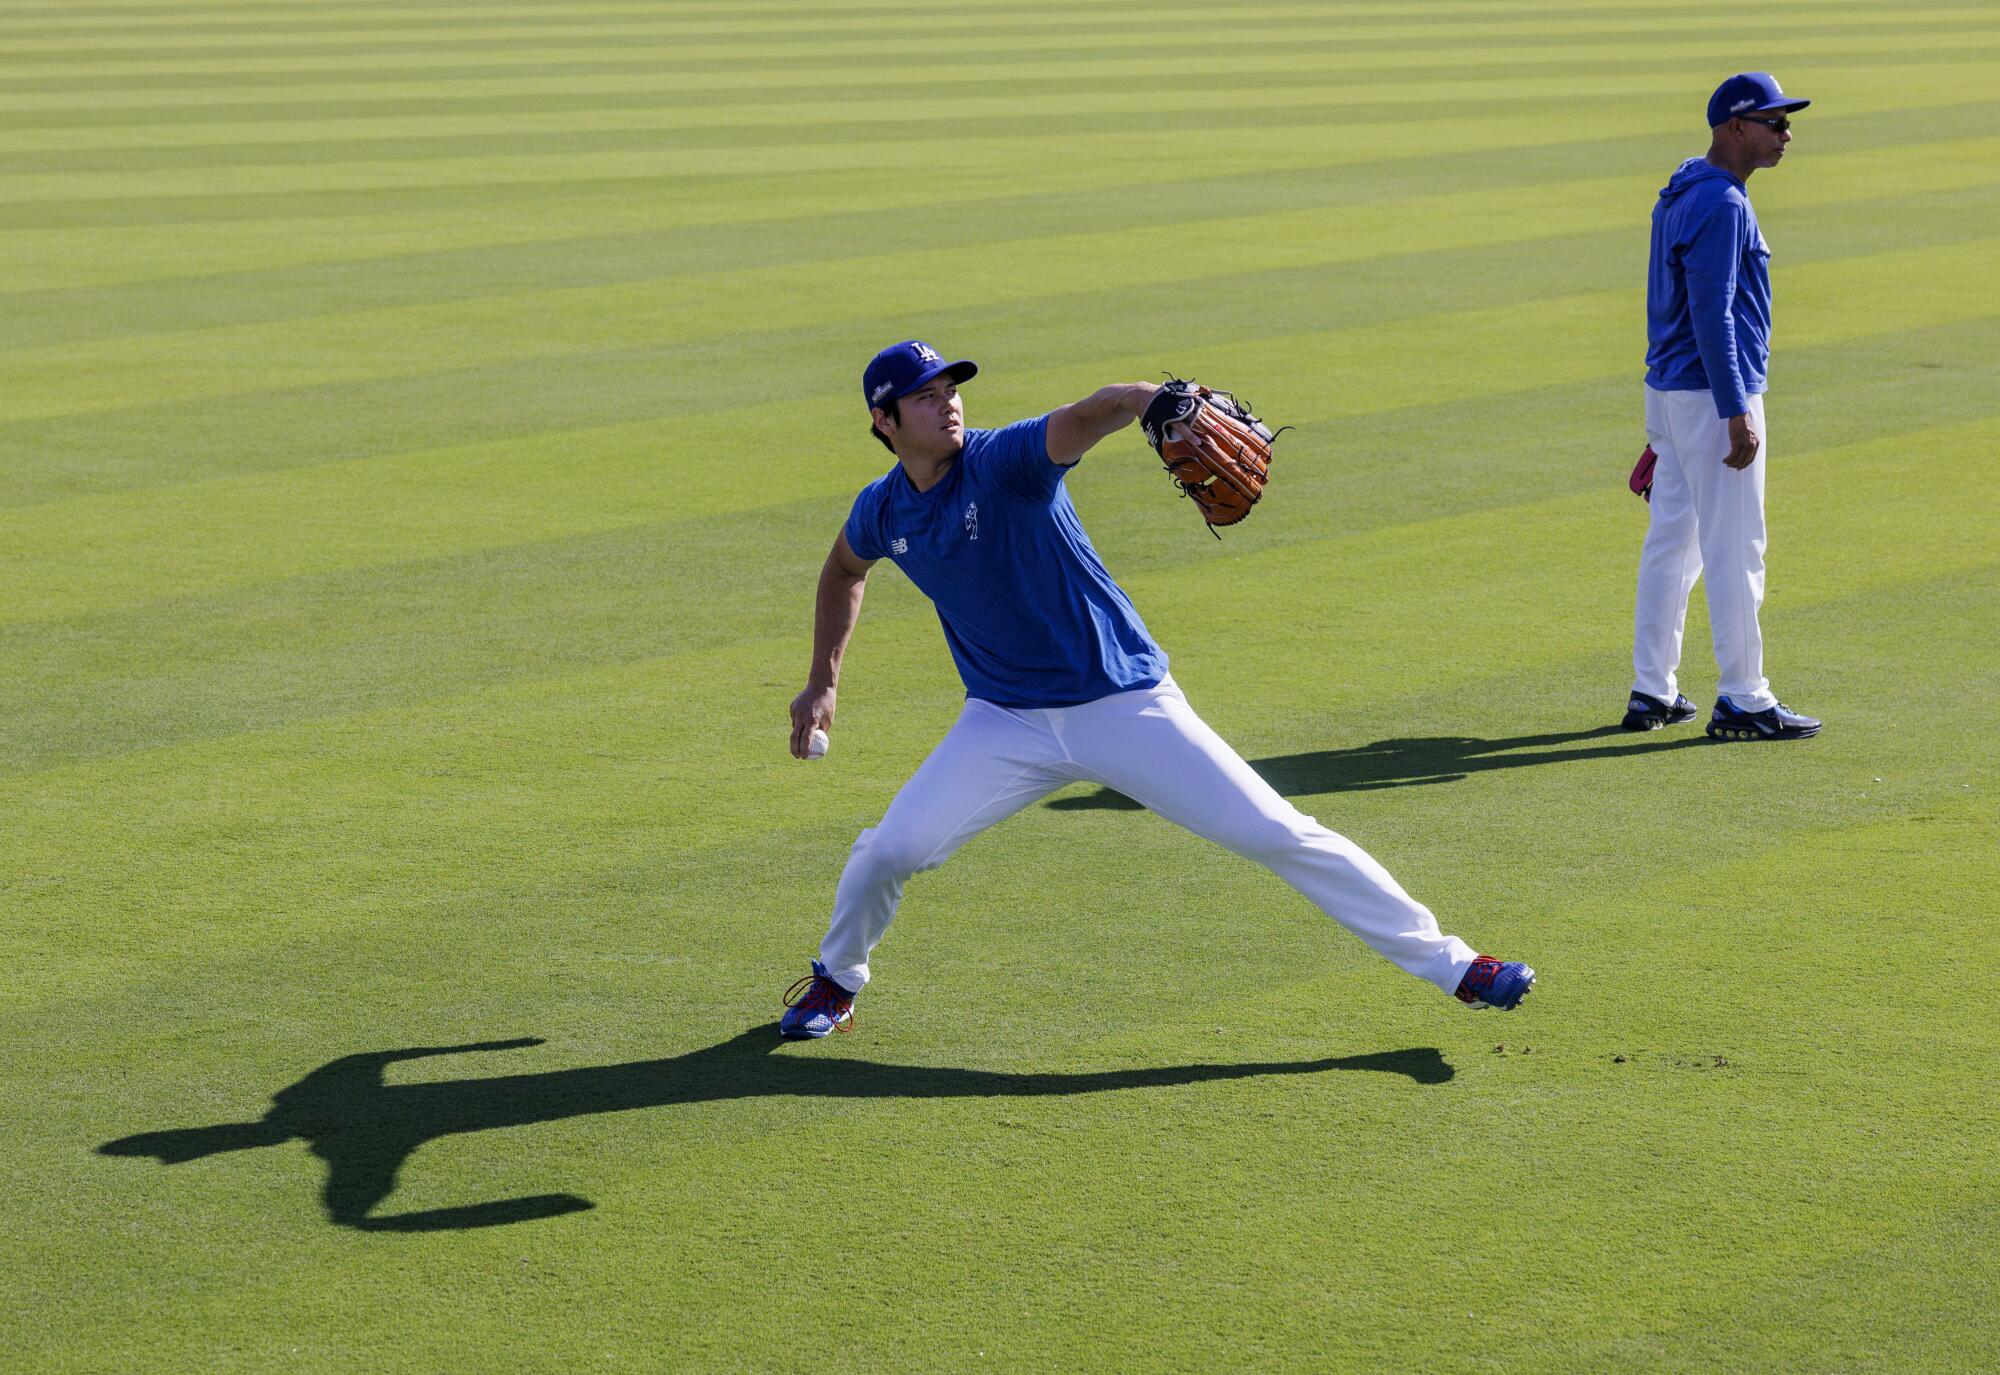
[1063, 684]
[1708, 329]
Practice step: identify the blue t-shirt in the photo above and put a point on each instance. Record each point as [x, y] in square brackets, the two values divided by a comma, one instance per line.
[1031, 615]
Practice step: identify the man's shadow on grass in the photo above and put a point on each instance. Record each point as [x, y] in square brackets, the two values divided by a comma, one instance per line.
[365, 1128]
[1407, 763]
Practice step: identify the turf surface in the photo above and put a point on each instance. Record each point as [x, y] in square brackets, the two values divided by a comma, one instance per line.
[421, 426]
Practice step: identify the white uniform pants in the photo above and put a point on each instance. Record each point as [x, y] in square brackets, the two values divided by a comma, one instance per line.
[1149, 745]
[1708, 523]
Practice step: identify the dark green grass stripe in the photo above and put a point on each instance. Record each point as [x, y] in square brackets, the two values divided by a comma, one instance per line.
[149, 445]
[461, 746]
[365, 639]
[308, 20]
[810, 126]
[469, 747]
[1847, 132]
[786, 50]
[273, 422]
[952, 31]
[718, 140]
[416, 103]
[951, 72]
[1276, 300]
[857, 78]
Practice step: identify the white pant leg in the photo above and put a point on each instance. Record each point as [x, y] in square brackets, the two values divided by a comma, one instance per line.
[1729, 513]
[1151, 746]
[990, 764]
[1669, 563]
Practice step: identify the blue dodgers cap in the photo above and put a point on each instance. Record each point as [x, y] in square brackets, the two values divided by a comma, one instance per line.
[1749, 93]
[901, 368]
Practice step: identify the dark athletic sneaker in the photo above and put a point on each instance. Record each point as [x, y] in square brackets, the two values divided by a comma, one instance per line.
[816, 1006]
[1650, 713]
[1773, 723]
[1492, 983]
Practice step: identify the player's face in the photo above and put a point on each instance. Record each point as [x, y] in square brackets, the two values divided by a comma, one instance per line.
[1764, 138]
[932, 423]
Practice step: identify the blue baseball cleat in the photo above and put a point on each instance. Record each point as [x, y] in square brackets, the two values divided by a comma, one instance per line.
[1645, 712]
[1491, 983]
[1780, 722]
[816, 1006]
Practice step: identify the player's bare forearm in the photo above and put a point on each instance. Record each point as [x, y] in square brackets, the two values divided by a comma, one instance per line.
[1074, 428]
[836, 610]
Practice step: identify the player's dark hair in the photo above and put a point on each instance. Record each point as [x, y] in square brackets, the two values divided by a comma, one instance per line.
[894, 413]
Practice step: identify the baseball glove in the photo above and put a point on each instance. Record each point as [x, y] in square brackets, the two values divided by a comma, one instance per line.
[1217, 453]
[1641, 481]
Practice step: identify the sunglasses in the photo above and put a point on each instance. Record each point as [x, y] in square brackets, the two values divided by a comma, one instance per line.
[1778, 125]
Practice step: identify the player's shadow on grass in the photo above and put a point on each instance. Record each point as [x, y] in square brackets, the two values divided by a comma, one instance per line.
[1406, 763]
[365, 1128]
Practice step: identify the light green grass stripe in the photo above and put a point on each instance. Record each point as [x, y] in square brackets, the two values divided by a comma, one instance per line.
[987, 157]
[1480, 353]
[897, 38]
[70, 557]
[217, 236]
[670, 770]
[193, 20]
[981, 103]
[168, 11]
[427, 91]
[1512, 604]
[358, 345]
[346, 643]
[446, 53]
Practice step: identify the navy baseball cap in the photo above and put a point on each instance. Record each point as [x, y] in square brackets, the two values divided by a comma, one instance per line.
[1749, 93]
[901, 368]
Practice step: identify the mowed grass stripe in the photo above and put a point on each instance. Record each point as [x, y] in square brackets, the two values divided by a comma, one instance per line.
[1914, 288]
[828, 18]
[861, 13]
[94, 100]
[524, 96]
[763, 63]
[144, 446]
[446, 133]
[610, 796]
[768, 39]
[981, 154]
[1510, 605]
[341, 644]
[1764, 1156]
[418, 770]
[87, 554]
[1365, 214]
[714, 222]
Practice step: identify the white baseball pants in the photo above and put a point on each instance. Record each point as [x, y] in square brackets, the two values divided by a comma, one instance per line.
[1150, 746]
[1707, 523]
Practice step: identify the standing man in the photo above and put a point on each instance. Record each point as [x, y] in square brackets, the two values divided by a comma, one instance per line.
[1063, 684]
[1708, 328]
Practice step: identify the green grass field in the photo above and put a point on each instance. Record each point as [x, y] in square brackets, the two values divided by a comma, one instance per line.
[421, 426]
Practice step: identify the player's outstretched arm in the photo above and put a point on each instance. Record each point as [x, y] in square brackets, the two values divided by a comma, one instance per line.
[1080, 424]
[835, 611]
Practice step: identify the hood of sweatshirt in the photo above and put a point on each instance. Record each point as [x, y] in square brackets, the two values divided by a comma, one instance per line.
[1691, 174]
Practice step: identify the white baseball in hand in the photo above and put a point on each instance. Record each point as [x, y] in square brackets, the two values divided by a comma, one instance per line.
[816, 744]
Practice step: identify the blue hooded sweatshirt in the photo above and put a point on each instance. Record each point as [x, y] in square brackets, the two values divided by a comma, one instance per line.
[1708, 294]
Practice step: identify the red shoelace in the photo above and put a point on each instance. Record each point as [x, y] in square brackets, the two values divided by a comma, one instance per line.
[815, 993]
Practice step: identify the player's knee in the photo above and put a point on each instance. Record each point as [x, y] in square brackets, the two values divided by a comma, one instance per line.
[896, 853]
[1270, 836]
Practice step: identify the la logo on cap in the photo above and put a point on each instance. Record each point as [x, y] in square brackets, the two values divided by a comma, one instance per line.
[927, 355]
